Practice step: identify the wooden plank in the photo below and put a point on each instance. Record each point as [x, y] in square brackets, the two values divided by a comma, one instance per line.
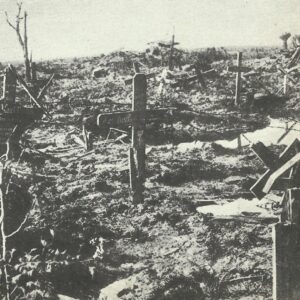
[138, 128]
[168, 45]
[9, 88]
[127, 118]
[286, 155]
[286, 285]
[238, 79]
[279, 172]
[239, 69]
[114, 119]
[294, 206]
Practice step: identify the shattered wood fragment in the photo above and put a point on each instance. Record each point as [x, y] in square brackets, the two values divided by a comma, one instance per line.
[279, 172]
[258, 188]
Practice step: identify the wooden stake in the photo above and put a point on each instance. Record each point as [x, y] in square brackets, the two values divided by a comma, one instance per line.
[171, 66]
[9, 88]
[238, 79]
[138, 140]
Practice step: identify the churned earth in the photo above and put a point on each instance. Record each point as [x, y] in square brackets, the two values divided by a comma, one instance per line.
[191, 237]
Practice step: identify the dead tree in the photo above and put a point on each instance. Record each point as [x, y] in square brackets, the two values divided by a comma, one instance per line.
[23, 40]
[284, 37]
[296, 41]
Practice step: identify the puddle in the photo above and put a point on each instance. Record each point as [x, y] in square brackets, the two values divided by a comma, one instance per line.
[183, 147]
[242, 207]
[279, 132]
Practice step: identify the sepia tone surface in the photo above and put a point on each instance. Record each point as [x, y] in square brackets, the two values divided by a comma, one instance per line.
[149, 149]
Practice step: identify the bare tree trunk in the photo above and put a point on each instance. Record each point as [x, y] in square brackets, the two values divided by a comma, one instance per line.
[26, 59]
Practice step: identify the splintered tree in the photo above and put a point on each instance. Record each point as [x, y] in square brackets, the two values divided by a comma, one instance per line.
[284, 37]
[296, 41]
[23, 40]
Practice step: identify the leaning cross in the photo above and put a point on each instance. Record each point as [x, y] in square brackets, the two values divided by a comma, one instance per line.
[239, 70]
[278, 166]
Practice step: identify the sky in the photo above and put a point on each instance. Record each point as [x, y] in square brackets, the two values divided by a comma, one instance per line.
[75, 28]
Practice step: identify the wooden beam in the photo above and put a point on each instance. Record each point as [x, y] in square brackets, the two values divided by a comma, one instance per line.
[279, 172]
[138, 139]
[238, 79]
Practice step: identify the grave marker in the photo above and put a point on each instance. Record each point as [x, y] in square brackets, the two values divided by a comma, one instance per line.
[9, 89]
[137, 119]
[170, 45]
[238, 69]
[286, 79]
[286, 234]
[274, 178]
[15, 119]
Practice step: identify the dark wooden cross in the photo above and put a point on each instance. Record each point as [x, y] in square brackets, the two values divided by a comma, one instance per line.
[238, 69]
[281, 172]
[137, 119]
[14, 119]
[170, 45]
[9, 89]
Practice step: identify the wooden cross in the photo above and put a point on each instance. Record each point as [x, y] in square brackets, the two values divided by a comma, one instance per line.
[9, 89]
[136, 118]
[278, 166]
[239, 69]
[31, 93]
[287, 77]
[171, 46]
[15, 119]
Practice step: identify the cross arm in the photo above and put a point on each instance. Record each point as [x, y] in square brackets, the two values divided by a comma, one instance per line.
[238, 69]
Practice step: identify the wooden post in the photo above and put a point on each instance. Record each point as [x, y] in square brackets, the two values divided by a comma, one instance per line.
[138, 155]
[286, 251]
[9, 89]
[33, 73]
[171, 65]
[238, 79]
